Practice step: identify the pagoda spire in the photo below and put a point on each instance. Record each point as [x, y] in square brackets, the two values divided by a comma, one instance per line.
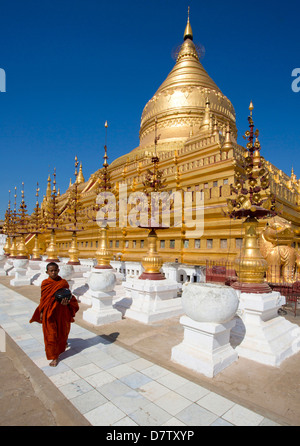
[80, 177]
[48, 191]
[188, 33]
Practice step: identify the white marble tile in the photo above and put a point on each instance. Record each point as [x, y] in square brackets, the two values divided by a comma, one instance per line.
[172, 402]
[41, 361]
[221, 422]
[173, 422]
[88, 401]
[121, 370]
[126, 421]
[130, 402]
[113, 389]
[99, 379]
[87, 370]
[195, 415]
[150, 415]
[125, 356]
[172, 381]
[155, 371]
[140, 364]
[60, 368]
[76, 360]
[64, 378]
[135, 380]
[105, 415]
[153, 390]
[75, 388]
[240, 416]
[192, 391]
[106, 361]
[215, 403]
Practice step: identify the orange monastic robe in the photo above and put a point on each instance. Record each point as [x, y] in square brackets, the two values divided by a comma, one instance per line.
[56, 318]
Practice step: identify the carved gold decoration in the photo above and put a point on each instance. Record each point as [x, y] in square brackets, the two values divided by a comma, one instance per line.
[52, 217]
[152, 261]
[73, 207]
[275, 245]
[36, 225]
[103, 253]
[7, 228]
[13, 249]
[154, 182]
[249, 184]
[52, 251]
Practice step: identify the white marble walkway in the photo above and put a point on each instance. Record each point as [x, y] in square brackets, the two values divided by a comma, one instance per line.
[112, 386]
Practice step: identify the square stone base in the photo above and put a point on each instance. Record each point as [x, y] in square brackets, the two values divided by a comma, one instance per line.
[260, 333]
[205, 347]
[102, 311]
[149, 301]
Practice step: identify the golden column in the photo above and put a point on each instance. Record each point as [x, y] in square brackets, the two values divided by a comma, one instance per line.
[251, 180]
[103, 253]
[7, 227]
[52, 252]
[152, 261]
[74, 251]
[22, 229]
[13, 249]
[36, 223]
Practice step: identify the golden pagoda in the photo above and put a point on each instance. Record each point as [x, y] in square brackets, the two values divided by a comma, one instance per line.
[198, 153]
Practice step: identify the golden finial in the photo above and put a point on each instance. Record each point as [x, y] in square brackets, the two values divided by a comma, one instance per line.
[80, 177]
[188, 33]
[251, 107]
[105, 164]
[228, 143]
[37, 190]
[54, 181]
[76, 165]
[205, 125]
[48, 192]
[106, 126]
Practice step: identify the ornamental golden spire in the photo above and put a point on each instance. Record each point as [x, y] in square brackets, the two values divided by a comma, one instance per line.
[48, 191]
[188, 33]
[80, 177]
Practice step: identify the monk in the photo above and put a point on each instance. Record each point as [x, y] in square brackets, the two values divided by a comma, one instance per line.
[55, 317]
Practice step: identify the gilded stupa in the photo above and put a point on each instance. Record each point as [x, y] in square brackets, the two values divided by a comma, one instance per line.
[183, 104]
[179, 104]
[198, 152]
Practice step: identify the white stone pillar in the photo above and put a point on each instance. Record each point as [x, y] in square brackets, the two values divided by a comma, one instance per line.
[151, 300]
[260, 333]
[209, 309]
[3, 259]
[101, 289]
[205, 347]
[20, 269]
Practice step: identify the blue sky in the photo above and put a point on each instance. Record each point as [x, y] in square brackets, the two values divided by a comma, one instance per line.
[73, 64]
